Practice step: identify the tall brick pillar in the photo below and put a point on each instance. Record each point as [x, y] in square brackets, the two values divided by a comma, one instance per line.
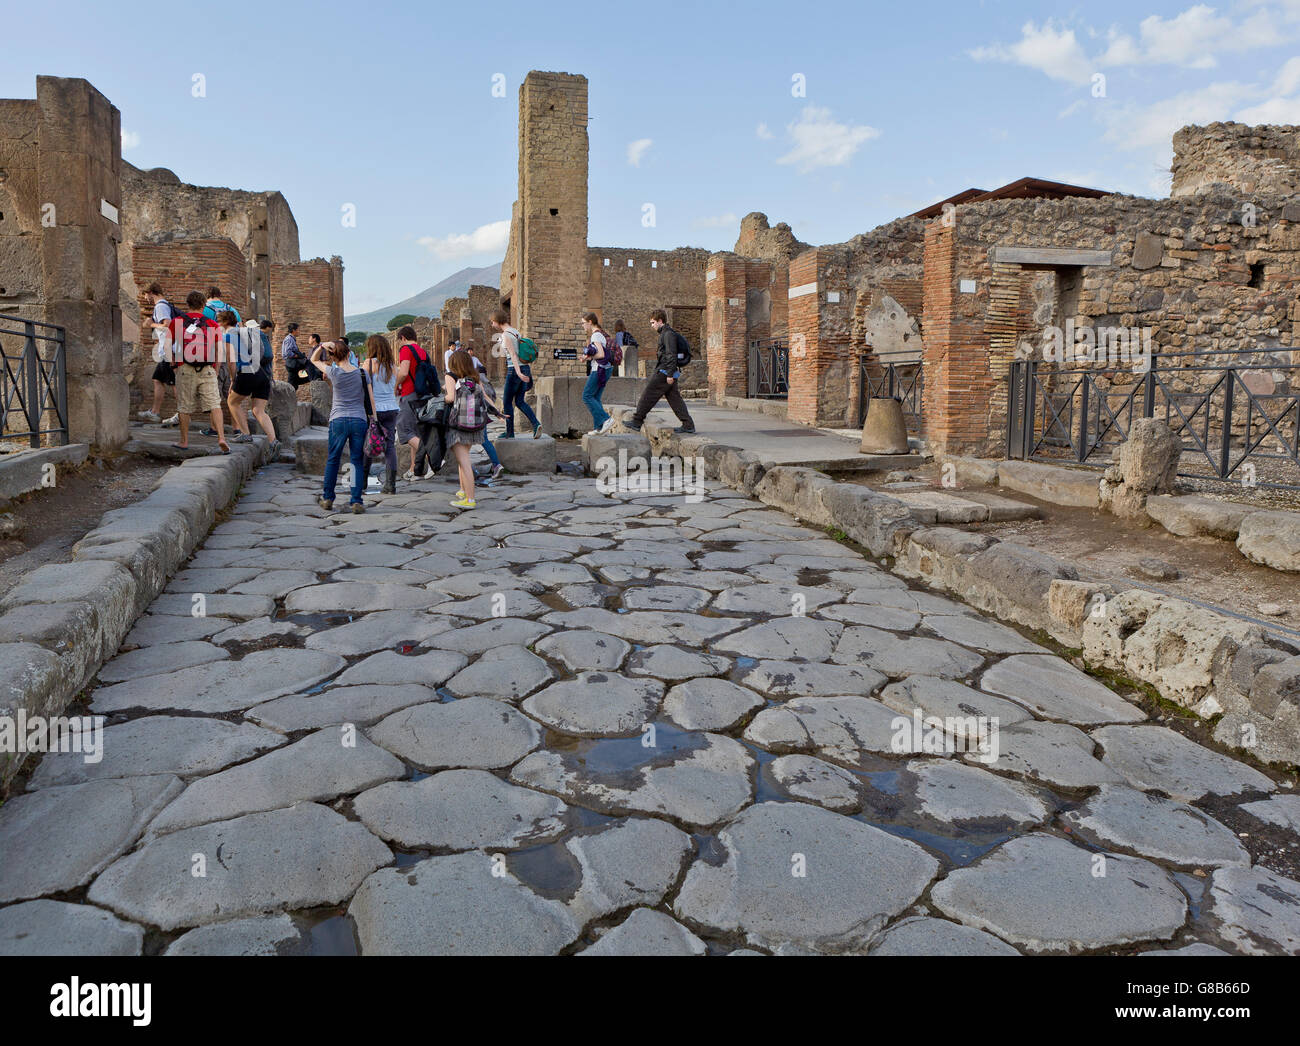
[958, 384]
[551, 259]
[79, 167]
[820, 320]
[724, 312]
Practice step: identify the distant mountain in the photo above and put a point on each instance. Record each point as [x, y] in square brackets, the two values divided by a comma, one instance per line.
[428, 302]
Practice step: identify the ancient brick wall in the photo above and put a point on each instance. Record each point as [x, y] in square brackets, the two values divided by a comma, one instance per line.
[181, 266]
[1248, 160]
[820, 319]
[747, 300]
[310, 294]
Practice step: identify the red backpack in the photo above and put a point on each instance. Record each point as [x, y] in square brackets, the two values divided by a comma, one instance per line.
[198, 346]
[613, 351]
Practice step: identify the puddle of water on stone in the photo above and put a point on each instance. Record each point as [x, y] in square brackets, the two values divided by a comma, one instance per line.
[445, 695]
[746, 662]
[553, 600]
[887, 781]
[709, 850]
[616, 756]
[332, 935]
[549, 869]
[1195, 890]
[960, 851]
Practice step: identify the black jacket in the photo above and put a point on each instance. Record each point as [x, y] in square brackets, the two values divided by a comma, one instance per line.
[666, 360]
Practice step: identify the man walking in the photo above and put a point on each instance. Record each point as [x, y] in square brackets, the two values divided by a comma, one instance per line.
[674, 353]
[196, 380]
[297, 368]
[164, 374]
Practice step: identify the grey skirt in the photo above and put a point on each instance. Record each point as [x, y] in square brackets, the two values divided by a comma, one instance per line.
[469, 439]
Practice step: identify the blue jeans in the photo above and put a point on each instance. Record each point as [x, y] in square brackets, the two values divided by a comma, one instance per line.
[591, 394]
[349, 432]
[490, 450]
[514, 397]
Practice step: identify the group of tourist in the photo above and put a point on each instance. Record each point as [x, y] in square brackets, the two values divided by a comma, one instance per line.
[394, 397]
[210, 357]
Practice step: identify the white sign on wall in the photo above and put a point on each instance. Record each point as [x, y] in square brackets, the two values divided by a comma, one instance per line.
[968, 286]
[108, 211]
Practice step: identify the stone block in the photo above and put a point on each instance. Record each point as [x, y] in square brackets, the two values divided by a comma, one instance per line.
[311, 450]
[527, 455]
[1271, 539]
[1051, 483]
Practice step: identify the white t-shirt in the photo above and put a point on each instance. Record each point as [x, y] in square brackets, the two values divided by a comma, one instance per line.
[598, 340]
[162, 313]
[510, 344]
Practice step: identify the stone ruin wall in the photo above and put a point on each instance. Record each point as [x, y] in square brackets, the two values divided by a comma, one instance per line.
[1248, 160]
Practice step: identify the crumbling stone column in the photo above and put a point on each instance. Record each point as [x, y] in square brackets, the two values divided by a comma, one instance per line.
[725, 289]
[820, 321]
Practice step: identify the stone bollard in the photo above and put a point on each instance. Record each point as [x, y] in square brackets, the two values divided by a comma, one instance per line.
[885, 430]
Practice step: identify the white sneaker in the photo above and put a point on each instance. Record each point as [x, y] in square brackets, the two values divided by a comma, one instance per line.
[408, 475]
[172, 422]
[148, 415]
[609, 424]
[595, 432]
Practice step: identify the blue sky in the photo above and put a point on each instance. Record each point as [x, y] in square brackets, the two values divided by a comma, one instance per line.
[696, 108]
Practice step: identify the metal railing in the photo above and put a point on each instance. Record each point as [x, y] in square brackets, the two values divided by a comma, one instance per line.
[1236, 414]
[769, 370]
[892, 375]
[33, 381]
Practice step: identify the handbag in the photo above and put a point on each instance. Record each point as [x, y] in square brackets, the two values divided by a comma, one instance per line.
[376, 443]
[433, 412]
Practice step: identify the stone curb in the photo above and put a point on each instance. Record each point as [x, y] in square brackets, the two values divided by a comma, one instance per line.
[1221, 672]
[62, 621]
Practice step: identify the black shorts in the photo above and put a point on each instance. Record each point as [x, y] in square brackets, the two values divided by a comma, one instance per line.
[165, 373]
[256, 385]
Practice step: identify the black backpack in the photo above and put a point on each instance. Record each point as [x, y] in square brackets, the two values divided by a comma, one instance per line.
[424, 375]
[683, 351]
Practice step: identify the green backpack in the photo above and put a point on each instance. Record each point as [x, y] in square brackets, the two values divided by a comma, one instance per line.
[526, 350]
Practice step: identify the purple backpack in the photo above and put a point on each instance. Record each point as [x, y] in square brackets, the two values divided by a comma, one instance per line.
[468, 410]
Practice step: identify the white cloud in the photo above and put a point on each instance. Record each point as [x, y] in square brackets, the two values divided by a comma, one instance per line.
[821, 142]
[1052, 51]
[717, 221]
[1140, 127]
[486, 238]
[636, 150]
[130, 140]
[764, 133]
[1275, 110]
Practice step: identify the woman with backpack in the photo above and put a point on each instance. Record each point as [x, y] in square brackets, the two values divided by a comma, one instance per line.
[467, 411]
[349, 420]
[417, 383]
[519, 375]
[600, 354]
[623, 340]
[381, 368]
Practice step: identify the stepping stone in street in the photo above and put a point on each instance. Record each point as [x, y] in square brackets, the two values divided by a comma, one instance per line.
[187, 746]
[1055, 689]
[507, 602]
[359, 705]
[306, 856]
[222, 686]
[923, 935]
[255, 935]
[356, 597]
[578, 650]
[507, 673]
[774, 599]
[710, 704]
[1149, 826]
[631, 862]
[275, 583]
[1054, 753]
[597, 704]
[893, 618]
[676, 597]
[792, 678]
[933, 506]
[476, 733]
[499, 632]
[1281, 810]
[59, 928]
[697, 786]
[56, 839]
[460, 810]
[816, 781]
[981, 634]
[961, 795]
[646, 626]
[1042, 894]
[672, 663]
[904, 656]
[831, 906]
[842, 729]
[383, 631]
[955, 703]
[154, 660]
[1160, 759]
[788, 637]
[241, 608]
[648, 932]
[322, 766]
[1255, 910]
[459, 904]
[389, 668]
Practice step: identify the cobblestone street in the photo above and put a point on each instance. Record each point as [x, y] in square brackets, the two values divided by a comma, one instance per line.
[569, 722]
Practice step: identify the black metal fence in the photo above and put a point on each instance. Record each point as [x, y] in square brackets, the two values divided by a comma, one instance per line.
[898, 376]
[1237, 414]
[769, 369]
[33, 381]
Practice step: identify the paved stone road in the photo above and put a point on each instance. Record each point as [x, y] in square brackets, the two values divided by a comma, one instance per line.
[566, 722]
